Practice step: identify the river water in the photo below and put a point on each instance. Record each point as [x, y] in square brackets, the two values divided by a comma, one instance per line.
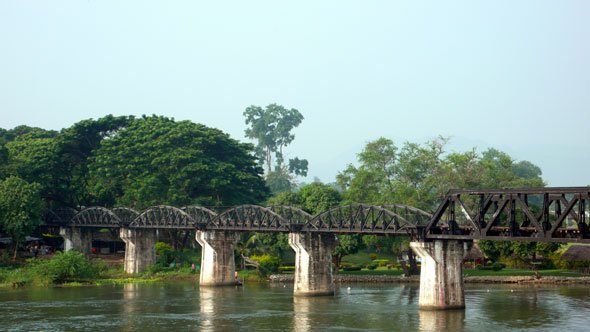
[183, 306]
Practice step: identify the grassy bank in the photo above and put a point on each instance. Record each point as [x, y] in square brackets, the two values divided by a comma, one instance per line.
[522, 273]
[75, 269]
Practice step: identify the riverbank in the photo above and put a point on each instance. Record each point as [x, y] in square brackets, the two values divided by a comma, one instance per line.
[343, 278]
[73, 269]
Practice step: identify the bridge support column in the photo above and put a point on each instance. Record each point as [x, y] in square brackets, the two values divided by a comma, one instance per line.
[76, 238]
[441, 274]
[313, 263]
[139, 248]
[218, 264]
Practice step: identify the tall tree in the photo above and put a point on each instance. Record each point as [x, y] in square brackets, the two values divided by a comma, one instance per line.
[74, 147]
[3, 160]
[21, 207]
[156, 160]
[388, 174]
[272, 128]
[32, 157]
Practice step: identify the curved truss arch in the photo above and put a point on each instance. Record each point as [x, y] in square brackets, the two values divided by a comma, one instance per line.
[96, 216]
[127, 215]
[293, 215]
[59, 216]
[361, 218]
[414, 215]
[250, 218]
[201, 215]
[163, 216]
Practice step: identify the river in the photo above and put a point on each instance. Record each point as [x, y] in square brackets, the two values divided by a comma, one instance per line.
[183, 306]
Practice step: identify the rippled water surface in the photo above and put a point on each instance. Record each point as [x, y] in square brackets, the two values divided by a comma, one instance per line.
[184, 306]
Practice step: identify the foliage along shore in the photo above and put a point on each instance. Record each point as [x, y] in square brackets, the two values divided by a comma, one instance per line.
[73, 268]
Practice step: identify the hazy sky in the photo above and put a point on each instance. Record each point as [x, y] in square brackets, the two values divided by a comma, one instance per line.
[514, 75]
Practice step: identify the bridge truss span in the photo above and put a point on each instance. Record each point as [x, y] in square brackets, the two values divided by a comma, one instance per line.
[125, 214]
[293, 215]
[528, 214]
[59, 216]
[250, 218]
[96, 216]
[201, 215]
[164, 217]
[362, 219]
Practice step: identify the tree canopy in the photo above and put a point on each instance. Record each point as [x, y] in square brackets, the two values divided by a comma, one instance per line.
[74, 148]
[271, 128]
[420, 174]
[21, 208]
[156, 160]
[136, 161]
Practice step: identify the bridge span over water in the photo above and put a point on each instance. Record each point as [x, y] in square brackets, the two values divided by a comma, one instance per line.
[440, 239]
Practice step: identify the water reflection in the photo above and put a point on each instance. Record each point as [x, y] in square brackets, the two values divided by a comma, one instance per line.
[442, 320]
[182, 306]
[130, 306]
[409, 293]
[208, 307]
[218, 307]
[522, 307]
[305, 312]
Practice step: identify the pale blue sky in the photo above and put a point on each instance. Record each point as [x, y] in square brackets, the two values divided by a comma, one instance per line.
[514, 75]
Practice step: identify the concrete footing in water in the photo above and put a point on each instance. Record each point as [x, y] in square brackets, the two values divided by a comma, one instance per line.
[217, 258]
[313, 263]
[441, 274]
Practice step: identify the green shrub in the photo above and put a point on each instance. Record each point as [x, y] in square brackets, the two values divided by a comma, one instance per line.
[63, 267]
[381, 262]
[168, 259]
[71, 266]
[286, 269]
[267, 263]
[351, 267]
[496, 266]
[559, 263]
[14, 277]
[371, 266]
[373, 256]
[162, 247]
[513, 263]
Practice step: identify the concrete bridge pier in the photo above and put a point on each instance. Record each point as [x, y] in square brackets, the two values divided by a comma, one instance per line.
[218, 265]
[139, 248]
[76, 238]
[313, 263]
[441, 274]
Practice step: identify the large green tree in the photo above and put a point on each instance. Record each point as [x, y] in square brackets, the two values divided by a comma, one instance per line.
[271, 127]
[156, 160]
[421, 174]
[74, 147]
[32, 157]
[388, 174]
[21, 208]
[57, 161]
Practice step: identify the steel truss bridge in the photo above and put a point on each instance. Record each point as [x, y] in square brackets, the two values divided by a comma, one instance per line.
[526, 214]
